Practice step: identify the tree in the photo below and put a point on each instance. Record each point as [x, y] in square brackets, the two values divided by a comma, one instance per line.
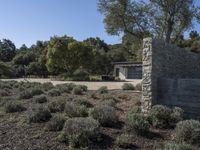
[126, 16]
[97, 44]
[132, 45]
[24, 58]
[102, 64]
[34, 68]
[118, 53]
[165, 19]
[194, 34]
[40, 51]
[174, 17]
[5, 70]
[84, 54]
[23, 48]
[7, 50]
[68, 54]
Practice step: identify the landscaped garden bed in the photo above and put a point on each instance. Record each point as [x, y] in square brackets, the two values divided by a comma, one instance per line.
[68, 116]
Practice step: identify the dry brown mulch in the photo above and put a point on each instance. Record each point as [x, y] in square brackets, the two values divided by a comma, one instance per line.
[17, 134]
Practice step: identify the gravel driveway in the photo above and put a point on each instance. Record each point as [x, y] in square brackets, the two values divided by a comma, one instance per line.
[91, 85]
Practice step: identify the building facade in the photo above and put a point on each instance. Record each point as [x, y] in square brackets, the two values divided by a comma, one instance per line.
[128, 70]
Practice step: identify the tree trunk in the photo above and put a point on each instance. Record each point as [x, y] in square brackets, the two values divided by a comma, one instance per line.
[169, 31]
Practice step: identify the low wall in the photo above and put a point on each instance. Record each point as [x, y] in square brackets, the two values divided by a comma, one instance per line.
[176, 66]
[184, 93]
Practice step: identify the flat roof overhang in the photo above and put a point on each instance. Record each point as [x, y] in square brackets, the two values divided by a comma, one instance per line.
[128, 64]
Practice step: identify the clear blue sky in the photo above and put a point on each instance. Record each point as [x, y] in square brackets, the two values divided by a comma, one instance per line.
[26, 21]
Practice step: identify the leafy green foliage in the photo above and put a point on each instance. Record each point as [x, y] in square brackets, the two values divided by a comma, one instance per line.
[56, 123]
[25, 95]
[64, 56]
[83, 87]
[6, 70]
[41, 99]
[164, 117]
[174, 146]
[102, 63]
[124, 141]
[77, 90]
[54, 92]
[42, 114]
[110, 102]
[64, 53]
[75, 110]
[57, 106]
[36, 91]
[177, 115]
[4, 93]
[12, 107]
[119, 14]
[47, 86]
[70, 86]
[78, 132]
[103, 55]
[63, 88]
[137, 122]
[128, 86]
[160, 18]
[138, 87]
[135, 109]
[106, 115]
[188, 131]
[82, 101]
[24, 58]
[160, 116]
[7, 50]
[81, 75]
[97, 43]
[103, 90]
[170, 17]
[192, 44]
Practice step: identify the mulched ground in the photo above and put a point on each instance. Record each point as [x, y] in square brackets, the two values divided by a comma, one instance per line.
[17, 134]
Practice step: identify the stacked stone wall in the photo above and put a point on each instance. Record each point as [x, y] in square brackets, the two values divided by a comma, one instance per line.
[163, 62]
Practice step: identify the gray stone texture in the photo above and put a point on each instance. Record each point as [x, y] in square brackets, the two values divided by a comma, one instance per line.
[184, 93]
[171, 76]
[147, 75]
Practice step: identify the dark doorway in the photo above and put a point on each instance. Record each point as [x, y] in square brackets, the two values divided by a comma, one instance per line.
[117, 72]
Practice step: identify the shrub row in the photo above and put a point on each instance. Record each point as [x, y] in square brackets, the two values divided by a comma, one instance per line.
[106, 115]
[136, 121]
[41, 115]
[129, 86]
[188, 131]
[79, 132]
[163, 117]
[75, 110]
[56, 123]
[12, 107]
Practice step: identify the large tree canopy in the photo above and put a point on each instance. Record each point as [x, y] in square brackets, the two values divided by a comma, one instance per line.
[125, 16]
[174, 17]
[97, 44]
[7, 50]
[68, 54]
[166, 19]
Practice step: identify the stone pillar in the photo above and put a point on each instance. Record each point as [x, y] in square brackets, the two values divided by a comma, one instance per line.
[147, 96]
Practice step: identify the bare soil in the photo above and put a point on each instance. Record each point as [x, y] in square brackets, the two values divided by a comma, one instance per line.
[16, 133]
[92, 85]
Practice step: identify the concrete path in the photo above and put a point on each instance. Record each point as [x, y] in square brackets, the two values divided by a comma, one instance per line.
[91, 84]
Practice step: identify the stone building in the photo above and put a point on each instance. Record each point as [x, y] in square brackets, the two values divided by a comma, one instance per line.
[171, 77]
